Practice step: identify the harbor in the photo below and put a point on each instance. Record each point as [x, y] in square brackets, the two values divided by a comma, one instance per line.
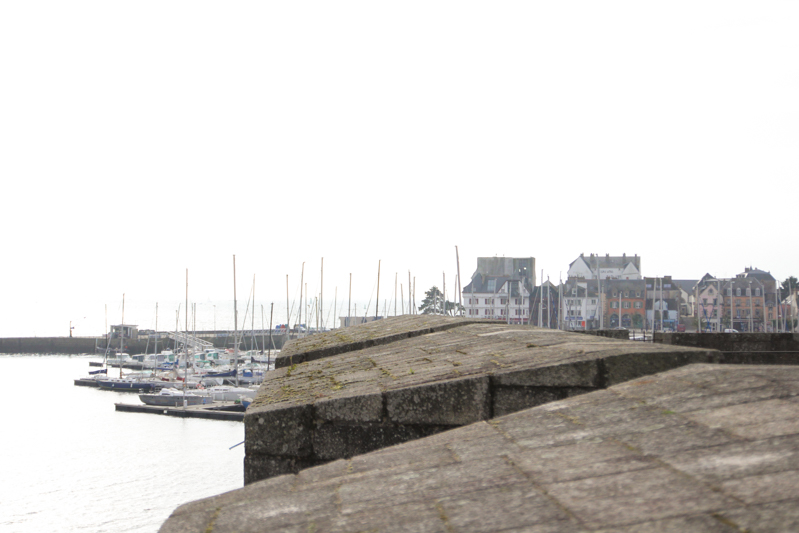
[72, 462]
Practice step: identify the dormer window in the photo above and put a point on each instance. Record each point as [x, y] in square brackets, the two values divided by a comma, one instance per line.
[738, 292]
[492, 285]
[749, 292]
[757, 292]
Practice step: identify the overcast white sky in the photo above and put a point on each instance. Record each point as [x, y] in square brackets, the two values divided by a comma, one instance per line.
[139, 139]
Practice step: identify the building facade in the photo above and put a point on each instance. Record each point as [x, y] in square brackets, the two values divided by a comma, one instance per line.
[500, 289]
[624, 303]
[607, 267]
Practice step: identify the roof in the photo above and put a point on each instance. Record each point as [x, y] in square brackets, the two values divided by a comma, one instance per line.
[479, 283]
[758, 274]
[609, 261]
[688, 284]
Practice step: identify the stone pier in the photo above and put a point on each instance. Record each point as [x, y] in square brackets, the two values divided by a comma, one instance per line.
[699, 449]
[347, 392]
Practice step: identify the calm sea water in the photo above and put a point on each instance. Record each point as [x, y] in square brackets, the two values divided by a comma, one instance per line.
[70, 462]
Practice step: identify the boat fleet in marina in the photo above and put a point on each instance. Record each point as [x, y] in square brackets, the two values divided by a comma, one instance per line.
[185, 378]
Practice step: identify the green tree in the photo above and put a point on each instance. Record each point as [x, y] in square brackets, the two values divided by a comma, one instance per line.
[434, 304]
[791, 282]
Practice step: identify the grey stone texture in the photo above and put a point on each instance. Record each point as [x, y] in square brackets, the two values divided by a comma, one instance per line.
[422, 375]
[362, 336]
[741, 348]
[641, 456]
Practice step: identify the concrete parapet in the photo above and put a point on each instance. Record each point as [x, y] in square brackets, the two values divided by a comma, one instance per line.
[733, 342]
[365, 335]
[619, 334]
[703, 448]
[365, 399]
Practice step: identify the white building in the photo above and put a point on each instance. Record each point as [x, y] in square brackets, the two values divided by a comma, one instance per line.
[581, 304]
[500, 289]
[609, 267]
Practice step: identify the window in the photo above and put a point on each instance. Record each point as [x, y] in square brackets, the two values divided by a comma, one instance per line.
[626, 294]
[516, 301]
[714, 301]
[715, 313]
[614, 293]
[593, 302]
[614, 305]
[488, 311]
[492, 285]
[638, 305]
[574, 292]
[710, 291]
[503, 301]
[738, 291]
[729, 292]
[704, 301]
[757, 292]
[637, 294]
[749, 292]
[502, 312]
[625, 305]
[518, 312]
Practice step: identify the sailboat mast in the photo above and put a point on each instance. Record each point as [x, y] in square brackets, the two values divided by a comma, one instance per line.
[122, 335]
[269, 353]
[321, 293]
[377, 300]
[254, 345]
[235, 325]
[186, 343]
[263, 333]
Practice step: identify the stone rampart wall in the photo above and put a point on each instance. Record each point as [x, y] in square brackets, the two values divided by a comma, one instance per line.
[733, 342]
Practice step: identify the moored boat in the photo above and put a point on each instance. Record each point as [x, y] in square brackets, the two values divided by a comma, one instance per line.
[126, 384]
[174, 398]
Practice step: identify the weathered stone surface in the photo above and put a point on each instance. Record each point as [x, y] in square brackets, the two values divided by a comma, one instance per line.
[733, 342]
[283, 432]
[619, 459]
[334, 441]
[356, 408]
[455, 402]
[429, 372]
[363, 336]
[255, 466]
[511, 399]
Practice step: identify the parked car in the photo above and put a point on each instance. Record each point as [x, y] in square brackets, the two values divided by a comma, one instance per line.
[729, 330]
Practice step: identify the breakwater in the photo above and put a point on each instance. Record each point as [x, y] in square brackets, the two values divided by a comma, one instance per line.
[84, 345]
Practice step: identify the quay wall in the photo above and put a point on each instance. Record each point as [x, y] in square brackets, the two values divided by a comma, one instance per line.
[58, 345]
[86, 345]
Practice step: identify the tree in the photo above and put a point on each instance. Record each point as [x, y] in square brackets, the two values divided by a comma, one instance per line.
[434, 304]
[791, 282]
